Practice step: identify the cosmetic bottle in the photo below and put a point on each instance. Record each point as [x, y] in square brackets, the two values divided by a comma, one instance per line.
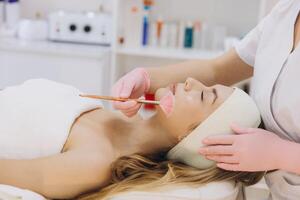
[133, 29]
[197, 35]
[188, 35]
[153, 35]
[146, 25]
[181, 34]
[2, 12]
[173, 35]
[12, 13]
[164, 36]
[159, 27]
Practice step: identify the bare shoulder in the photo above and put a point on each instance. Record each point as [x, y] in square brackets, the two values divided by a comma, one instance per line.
[88, 131]
[91, 166]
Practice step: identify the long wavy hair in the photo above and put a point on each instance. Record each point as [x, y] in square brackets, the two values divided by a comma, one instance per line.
[140, 173]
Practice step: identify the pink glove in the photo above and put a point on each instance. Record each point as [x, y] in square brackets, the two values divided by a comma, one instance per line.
[250, 150]
[133, 85]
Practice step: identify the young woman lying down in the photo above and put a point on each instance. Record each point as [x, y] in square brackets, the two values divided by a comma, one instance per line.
[60, 145]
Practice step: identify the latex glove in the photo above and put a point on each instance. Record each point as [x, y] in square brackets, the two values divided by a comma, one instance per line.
[133, 85]
[250, 150]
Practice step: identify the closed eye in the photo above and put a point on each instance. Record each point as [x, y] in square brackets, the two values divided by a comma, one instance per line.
[216, 95]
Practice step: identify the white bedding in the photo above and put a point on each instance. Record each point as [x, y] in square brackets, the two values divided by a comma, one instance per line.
[13, 193]
[212, 191]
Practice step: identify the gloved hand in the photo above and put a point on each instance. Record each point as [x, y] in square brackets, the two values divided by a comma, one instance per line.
[133, 85]
[250, 150]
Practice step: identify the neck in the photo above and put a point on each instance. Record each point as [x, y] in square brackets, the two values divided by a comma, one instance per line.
[139, 136]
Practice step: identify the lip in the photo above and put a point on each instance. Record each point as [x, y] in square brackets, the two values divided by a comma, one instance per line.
[173, 88]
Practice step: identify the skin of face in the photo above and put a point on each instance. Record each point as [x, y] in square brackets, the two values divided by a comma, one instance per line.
[194, 102]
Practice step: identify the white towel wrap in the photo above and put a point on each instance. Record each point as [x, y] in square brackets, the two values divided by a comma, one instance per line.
[36, 118]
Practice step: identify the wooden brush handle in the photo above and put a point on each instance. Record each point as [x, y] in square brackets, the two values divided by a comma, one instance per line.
[110, 98]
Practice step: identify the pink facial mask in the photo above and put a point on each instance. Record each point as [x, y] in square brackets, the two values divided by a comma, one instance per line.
[167, 103]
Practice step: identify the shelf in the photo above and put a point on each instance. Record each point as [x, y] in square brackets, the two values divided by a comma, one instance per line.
[48, 47]
[180, 54]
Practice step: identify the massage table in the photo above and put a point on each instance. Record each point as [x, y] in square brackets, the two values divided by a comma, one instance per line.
[12, 193]
[212, 191]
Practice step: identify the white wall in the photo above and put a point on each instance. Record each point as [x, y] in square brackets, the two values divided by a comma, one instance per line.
[266, 6]
[29, 8]
[239, 16]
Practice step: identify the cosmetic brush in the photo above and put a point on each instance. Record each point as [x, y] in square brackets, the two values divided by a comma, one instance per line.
[110, 98]
[166, 103]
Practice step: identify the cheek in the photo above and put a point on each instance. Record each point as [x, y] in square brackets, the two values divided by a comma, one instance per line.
[182, 118]
[176, 123]
[188, 106]
[186, 112]
[189, 99]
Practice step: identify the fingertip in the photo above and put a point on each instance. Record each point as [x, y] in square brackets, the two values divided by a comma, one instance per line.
[127, 89]
[222, 166]
[132, 103]
[206, 141]
[234, 125]
[124, 106]
[228, 167]
[236, 128]
[142, 98]
[116, 105]
[130, 114]
[202, 151]
[208, 157]
[124, 94]
[128, 104]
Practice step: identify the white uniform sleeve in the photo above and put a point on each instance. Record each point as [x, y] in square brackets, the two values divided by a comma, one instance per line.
[246, 48]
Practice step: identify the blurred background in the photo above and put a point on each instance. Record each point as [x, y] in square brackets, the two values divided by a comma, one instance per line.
[90, 44]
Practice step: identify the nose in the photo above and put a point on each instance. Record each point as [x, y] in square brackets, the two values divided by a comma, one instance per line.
[191, 83]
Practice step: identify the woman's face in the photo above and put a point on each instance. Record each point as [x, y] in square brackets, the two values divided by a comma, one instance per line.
[194, 102]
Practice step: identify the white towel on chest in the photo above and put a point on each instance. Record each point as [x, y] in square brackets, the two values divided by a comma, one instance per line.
[36, 118]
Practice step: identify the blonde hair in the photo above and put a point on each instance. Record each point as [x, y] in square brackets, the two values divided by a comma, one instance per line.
[139, 173]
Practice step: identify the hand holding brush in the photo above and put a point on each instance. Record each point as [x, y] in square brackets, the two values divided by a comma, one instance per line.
[166, 103]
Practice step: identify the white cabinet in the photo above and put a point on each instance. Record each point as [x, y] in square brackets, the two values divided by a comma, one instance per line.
[85, 67]
[238, 16]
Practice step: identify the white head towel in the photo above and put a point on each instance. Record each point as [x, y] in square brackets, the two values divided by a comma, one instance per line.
[238, 108]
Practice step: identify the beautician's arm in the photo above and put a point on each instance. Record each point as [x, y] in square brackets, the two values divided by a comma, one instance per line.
[56, 177]
[226, 69]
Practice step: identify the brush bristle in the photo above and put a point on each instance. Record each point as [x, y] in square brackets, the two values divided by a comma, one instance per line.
[167, 103]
